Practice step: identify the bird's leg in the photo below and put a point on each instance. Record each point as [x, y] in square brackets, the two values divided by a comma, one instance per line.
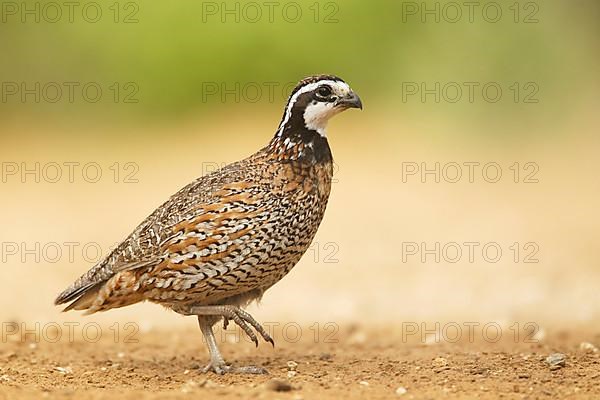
[207, 316]
[217, 364]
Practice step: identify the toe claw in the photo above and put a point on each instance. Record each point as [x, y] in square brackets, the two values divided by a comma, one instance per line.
[246, 322]
[218, 369]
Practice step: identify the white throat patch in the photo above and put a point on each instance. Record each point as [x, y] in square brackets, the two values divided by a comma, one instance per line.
[317, 114]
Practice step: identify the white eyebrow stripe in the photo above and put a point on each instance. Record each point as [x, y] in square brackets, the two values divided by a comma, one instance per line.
[307, 88]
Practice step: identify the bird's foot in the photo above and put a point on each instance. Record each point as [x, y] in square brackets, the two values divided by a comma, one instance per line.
[245, 321]
[220, 368]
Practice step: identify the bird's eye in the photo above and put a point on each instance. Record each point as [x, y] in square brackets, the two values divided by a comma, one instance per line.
[324, 91]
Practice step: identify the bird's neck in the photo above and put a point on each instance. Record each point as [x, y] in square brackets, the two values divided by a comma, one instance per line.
[300, 143]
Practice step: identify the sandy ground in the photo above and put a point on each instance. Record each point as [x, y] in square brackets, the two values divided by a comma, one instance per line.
[355, 273]
[351, 362]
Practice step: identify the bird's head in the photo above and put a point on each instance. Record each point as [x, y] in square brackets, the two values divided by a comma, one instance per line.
[314, 101]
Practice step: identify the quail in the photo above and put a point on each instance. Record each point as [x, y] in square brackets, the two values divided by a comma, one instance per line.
[220, 242]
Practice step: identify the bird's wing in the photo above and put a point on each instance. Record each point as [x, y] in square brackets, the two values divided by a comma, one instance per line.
[164, 232]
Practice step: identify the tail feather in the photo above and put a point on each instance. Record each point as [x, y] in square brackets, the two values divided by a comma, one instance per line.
[87, 285]
[85, 290]
[72, 294]
[83, 299]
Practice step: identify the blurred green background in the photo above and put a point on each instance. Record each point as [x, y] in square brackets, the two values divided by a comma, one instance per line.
[171, 51]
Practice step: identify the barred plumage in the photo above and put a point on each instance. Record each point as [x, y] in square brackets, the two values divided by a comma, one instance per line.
[225, 238]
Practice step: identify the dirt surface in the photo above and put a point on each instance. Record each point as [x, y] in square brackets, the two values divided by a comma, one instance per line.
[349, 362]
[345, 277]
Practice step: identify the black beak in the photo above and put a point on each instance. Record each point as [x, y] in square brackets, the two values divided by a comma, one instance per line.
[350, 101]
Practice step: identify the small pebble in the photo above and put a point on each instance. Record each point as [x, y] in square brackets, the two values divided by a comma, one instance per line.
[64, 370]
[292, 365]
[401, 390]
[556, 360]
[588, 347]
[440, 362]
[363, 383]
